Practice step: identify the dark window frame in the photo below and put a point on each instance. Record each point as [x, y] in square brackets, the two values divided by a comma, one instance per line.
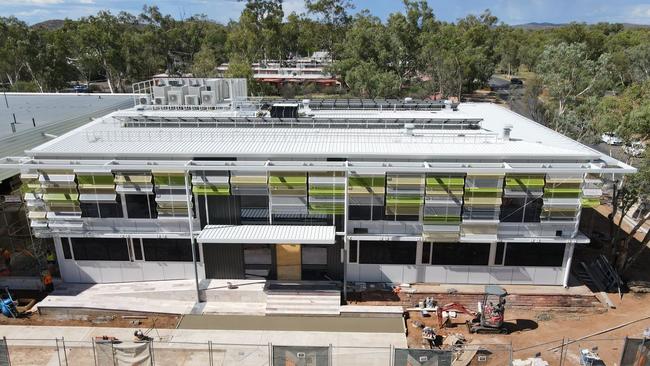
[168, 250]
[387, 252]
[534, 254]
[461, 254]
[151, 212]
[100, 249]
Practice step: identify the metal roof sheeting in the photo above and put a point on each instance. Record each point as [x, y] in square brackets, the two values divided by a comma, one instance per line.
[267, 234]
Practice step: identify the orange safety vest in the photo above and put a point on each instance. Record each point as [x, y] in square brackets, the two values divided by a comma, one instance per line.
[47, 279]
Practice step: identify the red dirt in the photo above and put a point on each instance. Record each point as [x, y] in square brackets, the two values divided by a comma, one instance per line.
[531, 334]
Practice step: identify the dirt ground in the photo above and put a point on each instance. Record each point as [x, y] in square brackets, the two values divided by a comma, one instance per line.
[99, 320]
[535, 332]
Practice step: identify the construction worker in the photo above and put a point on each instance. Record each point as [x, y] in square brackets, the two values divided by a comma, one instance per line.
[48, 283]
[50, 257]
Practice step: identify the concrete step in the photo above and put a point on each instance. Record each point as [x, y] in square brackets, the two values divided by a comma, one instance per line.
[230, 308]
[303, 303]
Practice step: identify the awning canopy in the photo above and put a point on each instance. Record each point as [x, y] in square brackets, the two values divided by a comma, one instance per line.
[267, 234]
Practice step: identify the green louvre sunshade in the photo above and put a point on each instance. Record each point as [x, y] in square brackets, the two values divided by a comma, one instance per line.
[483, 197]
[210, 183]
[326, 193]
[591, 192]
[517, 185]
[249, 183]
[562, 195]
[288, 193]
[442, 207]
[134, 183]
[404, 194]
[171, 194]
[96, 187]
[288, 183]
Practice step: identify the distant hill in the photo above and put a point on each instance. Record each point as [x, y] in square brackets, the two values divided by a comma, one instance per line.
[546, 25]
[50, 24]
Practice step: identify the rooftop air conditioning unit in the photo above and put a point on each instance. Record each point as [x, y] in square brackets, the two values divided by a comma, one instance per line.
[160, 91]
[144, 99]
[208, 97]
[195, 89]
[176, 96]
[160, 101]
[191, 100]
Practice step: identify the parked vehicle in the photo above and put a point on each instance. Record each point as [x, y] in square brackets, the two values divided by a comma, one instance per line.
[635, 149]
[611, 139]
[516, 81]
[82, 88]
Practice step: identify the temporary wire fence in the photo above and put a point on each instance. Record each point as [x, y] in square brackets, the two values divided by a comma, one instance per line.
[108, 351]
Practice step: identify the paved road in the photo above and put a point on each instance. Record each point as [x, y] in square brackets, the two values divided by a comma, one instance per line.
[514, 96]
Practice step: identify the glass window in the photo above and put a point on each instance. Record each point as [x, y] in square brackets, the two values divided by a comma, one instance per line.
[101, 209]
[353, 251]
[521, 209]
[65, 244]
[360, 213]
[100, 249]
[258, 254]
[140, 206]
[462, 254]
[314, 254]
[387, 252]
[137, 249]
[426, 253]
[498, 256]
[535, 254]
[167, 250]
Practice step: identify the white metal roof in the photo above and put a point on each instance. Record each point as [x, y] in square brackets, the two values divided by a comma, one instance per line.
[267, 234]
[108, 138]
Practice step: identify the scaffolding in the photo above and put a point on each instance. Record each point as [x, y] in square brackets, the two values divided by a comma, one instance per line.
[28, 252]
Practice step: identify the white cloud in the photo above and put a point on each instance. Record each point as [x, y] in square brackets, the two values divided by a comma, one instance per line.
[290, 6]
[86, 1]
[641, 11]
[30, 2]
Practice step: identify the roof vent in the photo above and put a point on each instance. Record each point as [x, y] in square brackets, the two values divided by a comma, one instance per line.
[408, 129]
[506, 132]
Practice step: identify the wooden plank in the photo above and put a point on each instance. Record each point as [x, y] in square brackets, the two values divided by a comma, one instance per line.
[288, 259]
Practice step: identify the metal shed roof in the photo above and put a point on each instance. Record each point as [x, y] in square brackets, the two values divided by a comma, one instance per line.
[267, 234]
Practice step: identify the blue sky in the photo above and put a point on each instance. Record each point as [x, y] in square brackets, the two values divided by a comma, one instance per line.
[508, 11]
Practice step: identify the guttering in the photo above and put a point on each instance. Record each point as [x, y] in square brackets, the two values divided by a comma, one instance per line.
[354, 167]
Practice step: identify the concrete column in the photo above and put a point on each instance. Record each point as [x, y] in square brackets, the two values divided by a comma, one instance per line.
[567, 267]
[190, 221]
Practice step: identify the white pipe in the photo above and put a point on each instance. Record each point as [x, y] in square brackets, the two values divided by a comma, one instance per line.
[567, 268]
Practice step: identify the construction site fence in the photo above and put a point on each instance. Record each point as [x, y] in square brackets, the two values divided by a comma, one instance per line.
[60, 352]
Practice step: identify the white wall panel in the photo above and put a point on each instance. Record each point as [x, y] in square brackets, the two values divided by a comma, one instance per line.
[370, 273]
[479, 275]
[522, 275]
[500, 275]
[457, 274]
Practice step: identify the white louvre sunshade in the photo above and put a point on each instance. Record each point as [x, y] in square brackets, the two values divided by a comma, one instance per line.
[267, 234]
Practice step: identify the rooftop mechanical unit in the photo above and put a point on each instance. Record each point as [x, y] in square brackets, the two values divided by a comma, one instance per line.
[209, 98]
[176, 95]
[160, 101]
[192, 100]
[144, 99]
[160, 91]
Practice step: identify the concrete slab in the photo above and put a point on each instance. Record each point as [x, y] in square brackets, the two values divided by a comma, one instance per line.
[294, 323]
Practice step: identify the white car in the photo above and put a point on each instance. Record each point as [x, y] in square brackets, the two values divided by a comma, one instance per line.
[611, 139]
[635, 149]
